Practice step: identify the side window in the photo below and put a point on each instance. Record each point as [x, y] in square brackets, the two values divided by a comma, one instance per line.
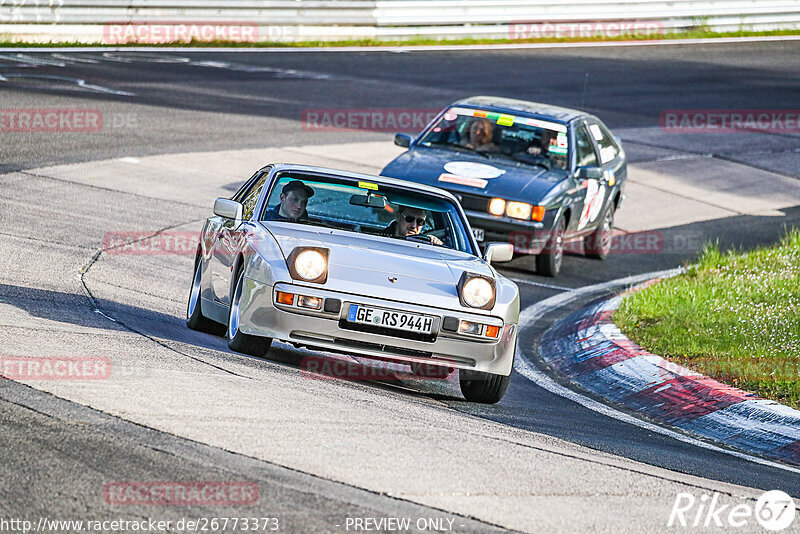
[249, 184]
[584, 148]
[249, 202]
[608, 148]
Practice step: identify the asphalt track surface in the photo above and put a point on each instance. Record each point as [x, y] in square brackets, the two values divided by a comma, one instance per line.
[199, 102]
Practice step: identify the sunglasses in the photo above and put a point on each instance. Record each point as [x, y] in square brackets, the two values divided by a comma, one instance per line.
[410, 219]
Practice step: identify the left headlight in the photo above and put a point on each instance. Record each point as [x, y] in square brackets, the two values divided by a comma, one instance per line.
[477, 291]
[309, 264]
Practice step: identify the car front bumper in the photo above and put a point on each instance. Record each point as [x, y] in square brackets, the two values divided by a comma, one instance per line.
[261, 315]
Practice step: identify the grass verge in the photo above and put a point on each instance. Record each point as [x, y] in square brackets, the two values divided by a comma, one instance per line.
[5, 41]
[734, 317]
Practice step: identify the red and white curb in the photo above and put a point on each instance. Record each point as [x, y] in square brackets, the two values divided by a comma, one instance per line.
[589, 350]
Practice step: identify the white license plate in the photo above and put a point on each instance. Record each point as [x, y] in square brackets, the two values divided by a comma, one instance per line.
[478, 233]
[398, 320]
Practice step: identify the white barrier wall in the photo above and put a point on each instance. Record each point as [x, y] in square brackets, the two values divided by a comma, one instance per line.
[293, 20]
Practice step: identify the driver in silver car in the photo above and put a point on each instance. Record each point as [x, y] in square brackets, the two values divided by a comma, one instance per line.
[294, 199]
[410, 221]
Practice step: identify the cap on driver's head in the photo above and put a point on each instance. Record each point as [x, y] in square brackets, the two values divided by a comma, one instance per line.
[297, 185]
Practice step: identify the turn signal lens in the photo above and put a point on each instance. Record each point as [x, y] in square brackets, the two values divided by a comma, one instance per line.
[518, 210]
[467, 327]
[497, 206]
[313, 303]
[538, 213]
[492, 331]
[285, 298]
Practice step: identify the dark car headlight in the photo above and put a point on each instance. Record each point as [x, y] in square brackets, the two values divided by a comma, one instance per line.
[476, 291]
[309, 264]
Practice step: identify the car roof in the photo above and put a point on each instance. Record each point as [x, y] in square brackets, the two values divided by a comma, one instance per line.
[523, 106]
[422, 188]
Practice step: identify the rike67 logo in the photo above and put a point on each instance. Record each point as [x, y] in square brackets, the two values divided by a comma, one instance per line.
[774, 511]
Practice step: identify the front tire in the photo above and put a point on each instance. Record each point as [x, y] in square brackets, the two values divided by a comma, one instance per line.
[598, 245]
[238, 341]
[194, 312]
[548, 262]
[486, 388]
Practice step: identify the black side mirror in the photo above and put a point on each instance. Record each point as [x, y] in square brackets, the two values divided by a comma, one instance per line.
[403, 140]
[590, 173]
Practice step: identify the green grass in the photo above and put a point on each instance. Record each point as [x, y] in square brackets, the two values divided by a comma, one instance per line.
[734, 316]
[699, 32]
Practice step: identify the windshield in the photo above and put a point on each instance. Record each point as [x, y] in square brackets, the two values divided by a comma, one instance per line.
[522, 139]
[366, 208]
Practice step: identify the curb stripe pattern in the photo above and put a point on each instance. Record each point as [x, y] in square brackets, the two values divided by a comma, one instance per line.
[589, 349]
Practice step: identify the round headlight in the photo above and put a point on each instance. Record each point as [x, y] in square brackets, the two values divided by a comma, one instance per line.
[477, 292]
[309, 264]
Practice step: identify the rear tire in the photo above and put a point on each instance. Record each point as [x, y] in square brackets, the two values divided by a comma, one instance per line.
[598, 245]
[486, 388]
[238, 341]
[194, 311]
[548, 262]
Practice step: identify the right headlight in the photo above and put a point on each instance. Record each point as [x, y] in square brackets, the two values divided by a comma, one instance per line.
[477, 291]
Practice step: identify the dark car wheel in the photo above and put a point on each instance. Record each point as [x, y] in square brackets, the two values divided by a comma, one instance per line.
[486, 388]
[548, 262]
[598, 245]
[194, 313]
[237, 340]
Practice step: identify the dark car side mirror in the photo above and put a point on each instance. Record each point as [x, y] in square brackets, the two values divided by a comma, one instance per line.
[403, 140]
[590, 173]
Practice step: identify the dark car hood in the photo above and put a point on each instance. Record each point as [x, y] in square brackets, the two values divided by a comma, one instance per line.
[515, 181]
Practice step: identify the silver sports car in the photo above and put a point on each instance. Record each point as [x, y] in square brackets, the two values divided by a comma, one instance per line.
[366, 265]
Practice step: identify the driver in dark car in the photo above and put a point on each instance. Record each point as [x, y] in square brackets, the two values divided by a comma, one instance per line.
[410, 221]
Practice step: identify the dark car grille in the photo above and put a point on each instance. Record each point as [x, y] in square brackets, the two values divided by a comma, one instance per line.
[473, 202]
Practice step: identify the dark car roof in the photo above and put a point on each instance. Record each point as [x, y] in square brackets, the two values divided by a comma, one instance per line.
[523, 106]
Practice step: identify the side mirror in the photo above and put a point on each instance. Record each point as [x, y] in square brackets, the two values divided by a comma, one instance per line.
[368, 201]
[498, 252]
[229, 209]
[403, 140]
[590, 173]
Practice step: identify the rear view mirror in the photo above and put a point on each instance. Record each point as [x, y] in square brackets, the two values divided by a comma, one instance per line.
[368, 201]
[403, 140]
[229, 209]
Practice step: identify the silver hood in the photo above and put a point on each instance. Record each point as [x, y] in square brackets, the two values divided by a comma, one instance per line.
[363, 265]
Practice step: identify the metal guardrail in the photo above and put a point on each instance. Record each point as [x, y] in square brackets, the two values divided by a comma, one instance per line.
[290, 20]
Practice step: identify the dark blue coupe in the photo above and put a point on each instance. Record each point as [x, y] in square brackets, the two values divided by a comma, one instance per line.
[531, 174]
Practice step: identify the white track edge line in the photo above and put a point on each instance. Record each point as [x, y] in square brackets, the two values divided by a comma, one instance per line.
[527, 369]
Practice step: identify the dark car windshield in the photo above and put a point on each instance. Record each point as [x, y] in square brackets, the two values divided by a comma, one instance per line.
[367, 208]
[523, 139]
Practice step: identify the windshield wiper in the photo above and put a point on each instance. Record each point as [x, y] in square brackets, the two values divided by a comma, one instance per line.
[538, 161]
